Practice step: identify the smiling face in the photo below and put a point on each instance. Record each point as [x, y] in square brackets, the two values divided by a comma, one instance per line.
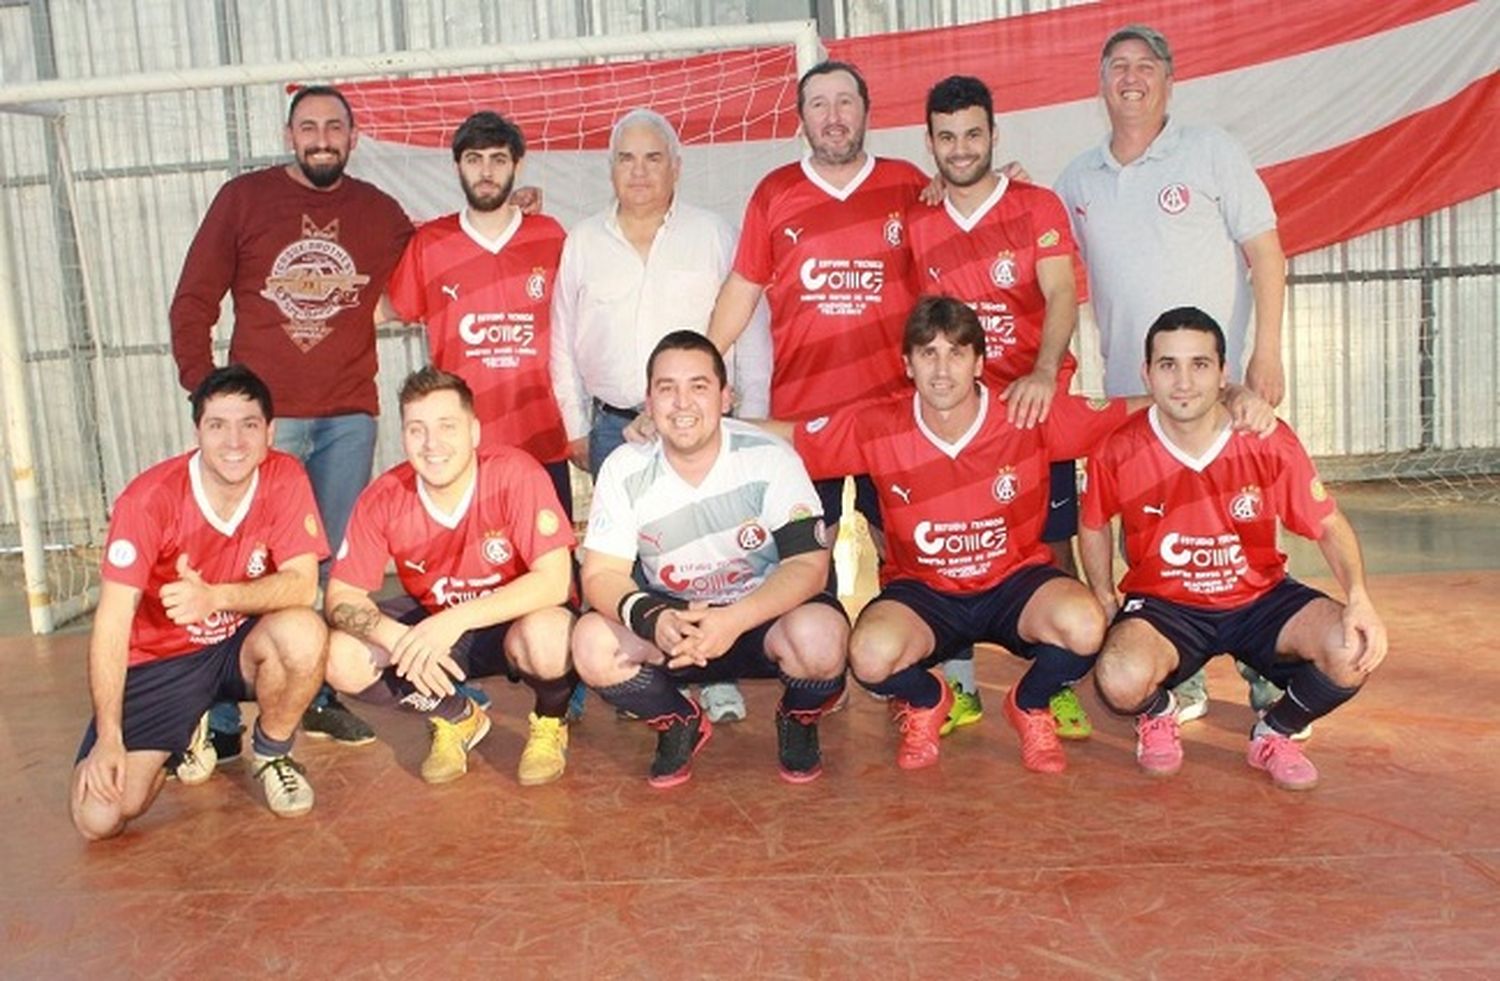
[1185, 376]
[439, 436]
[834, 118]
[944, 373]
[321, 138]
[962, 144]
[233, 439]
[686, 400]
[1135, 84]
[487, 176]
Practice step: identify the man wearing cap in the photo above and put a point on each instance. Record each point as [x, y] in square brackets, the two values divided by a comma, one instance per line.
[1167, 215]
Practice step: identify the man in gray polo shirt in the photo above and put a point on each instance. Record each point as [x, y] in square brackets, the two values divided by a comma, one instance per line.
[1167, 215]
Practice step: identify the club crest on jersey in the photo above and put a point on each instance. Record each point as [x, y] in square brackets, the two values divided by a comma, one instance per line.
[893, 230]
[496, 548]
[1006, 485]
[536, 283]
[121, 553]
[1174, 198]
[1246, 505]
[751, 536]
[260, 557]
[1003, 271]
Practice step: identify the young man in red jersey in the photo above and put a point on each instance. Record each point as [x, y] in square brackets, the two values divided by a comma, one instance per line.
[481, 549]
[964, 493]
[1201, 506]
[1004, 247]
[209, 577]
[481, 280]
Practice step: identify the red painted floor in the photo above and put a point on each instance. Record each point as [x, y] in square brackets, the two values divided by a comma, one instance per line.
[973, 869]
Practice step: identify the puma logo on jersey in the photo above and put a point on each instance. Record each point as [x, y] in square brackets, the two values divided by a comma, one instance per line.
[902, 492]
[451, 292]
[792, 233]
[420, 568]
[935, 273]
[1159, 510]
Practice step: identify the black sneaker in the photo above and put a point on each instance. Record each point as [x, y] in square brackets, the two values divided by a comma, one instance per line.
[677, 742]
[228, 745]
[797, 742]
[332, 720]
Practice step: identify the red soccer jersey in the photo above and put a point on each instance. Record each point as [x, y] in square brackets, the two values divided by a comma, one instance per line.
[839, 279]
[988, 260]
[1203, 532]
[487, 308]
[164, 513]
[959, 517]
[510, 517]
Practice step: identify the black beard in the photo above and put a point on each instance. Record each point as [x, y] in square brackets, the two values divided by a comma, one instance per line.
[487, 204]
[321, 177]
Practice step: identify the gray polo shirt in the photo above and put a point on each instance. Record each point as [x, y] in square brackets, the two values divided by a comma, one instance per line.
[1163, 232]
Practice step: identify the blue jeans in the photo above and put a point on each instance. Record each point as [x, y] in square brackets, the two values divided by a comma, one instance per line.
[606, 435]
[338, 452]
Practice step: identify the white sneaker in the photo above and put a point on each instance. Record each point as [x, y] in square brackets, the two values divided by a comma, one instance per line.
[199, 759]
[284, 780]
[1192, 699]
[722, 702]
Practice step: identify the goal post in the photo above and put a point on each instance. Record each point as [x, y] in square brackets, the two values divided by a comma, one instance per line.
[102, 186]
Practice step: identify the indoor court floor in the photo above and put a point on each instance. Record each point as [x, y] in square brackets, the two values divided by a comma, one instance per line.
[972, 869]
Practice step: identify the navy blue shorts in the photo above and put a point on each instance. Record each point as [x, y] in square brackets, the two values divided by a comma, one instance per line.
[164, 699]
[960, 621]
[1062, 502]
[1248, 633]
[481, 652]
[746, 657]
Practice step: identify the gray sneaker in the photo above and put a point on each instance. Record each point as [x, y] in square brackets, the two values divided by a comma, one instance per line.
[722, 702]
[1192, 698]
[288, 793]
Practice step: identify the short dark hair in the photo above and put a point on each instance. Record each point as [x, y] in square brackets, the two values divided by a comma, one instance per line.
[953, 318]
[688, 340]
[309, 91]
[485, 130]
[959, 92]
[232, 379]
[1186, 318]
[427, 380]
[828, 68]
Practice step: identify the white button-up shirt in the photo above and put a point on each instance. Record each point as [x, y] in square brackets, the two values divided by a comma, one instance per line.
[610, 308]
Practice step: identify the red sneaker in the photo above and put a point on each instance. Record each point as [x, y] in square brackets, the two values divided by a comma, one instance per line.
[1283, 760]
[1158, 744]
[1041, 752]
[920, 728]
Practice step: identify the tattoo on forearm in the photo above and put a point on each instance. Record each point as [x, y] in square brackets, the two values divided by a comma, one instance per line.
[357, 620]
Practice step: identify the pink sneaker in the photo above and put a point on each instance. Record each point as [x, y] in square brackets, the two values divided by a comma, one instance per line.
[1283, 760]
[1158, 744]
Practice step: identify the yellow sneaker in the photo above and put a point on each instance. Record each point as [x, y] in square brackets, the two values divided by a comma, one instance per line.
[546, 753]
[966, 711]
[451, 741]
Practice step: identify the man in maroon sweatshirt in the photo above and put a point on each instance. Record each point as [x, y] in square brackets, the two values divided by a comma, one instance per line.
[304, 252]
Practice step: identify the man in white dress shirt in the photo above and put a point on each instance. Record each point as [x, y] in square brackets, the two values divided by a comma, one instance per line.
[631, 274]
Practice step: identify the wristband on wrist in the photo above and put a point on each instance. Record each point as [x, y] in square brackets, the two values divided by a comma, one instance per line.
[641, 610]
